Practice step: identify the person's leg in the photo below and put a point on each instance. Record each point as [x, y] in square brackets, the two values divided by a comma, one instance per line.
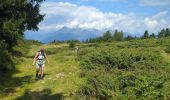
[37, 71]
[42, 72]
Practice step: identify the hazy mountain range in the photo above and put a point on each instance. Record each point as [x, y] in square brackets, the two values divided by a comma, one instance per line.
[73, 33]
[66, 33]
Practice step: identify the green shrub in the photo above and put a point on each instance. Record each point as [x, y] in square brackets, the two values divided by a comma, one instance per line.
[21, 49]
[72, 44]
[33, 42]
[123, 73]
[6, 63]
[98, 87]
[128, 58]
[50, 51]
[167, 49]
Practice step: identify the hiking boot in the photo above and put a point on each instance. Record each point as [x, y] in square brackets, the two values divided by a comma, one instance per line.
[42, 78]
[36, 76]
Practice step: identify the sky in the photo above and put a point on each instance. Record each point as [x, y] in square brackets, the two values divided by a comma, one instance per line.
[132, 16]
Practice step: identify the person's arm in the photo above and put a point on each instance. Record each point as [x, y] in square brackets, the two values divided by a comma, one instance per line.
[35, 58]
[46, 57]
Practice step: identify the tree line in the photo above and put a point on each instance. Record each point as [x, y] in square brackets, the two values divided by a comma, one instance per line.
[109, 36]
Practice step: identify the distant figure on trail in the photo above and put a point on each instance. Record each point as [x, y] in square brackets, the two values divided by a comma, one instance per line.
[39, 59]
[76, 49]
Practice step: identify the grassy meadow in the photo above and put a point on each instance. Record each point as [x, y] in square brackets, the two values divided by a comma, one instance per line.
[61, 76]
[118, 70]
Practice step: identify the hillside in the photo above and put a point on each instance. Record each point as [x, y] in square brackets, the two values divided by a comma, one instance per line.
[135, 69]
[97, 50]
[61, 76]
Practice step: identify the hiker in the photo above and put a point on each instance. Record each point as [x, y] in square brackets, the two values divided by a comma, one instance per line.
[39, 59]
[76, 49]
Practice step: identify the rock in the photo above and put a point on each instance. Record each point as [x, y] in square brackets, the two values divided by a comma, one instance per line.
[59, 75]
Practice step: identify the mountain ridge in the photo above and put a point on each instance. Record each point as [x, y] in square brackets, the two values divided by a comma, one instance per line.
[66, 33]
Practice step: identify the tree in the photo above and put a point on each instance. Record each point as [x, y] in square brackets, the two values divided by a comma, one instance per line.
[71, 44]
[152, 35]
[161, 33]
[118, 35]
[129, 37]
[107, 36]
[146, 34]
[167, 32]
[17, 16]
[6, 63]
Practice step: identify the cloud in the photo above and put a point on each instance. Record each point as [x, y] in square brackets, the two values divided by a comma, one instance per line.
[51, 27]
[160, 15]
[70, 15]
[155, 2]
[158, 21]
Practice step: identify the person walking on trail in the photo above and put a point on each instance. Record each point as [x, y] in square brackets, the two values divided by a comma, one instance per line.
[76, 49]
[39, 59]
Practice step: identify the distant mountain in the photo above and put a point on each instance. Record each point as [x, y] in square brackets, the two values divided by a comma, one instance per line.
[66, 33]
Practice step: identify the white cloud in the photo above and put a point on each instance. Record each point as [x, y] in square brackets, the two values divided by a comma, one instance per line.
[151, 23]
[155, 2]
[54, 8]
[158, 21]
[51, 27]
[87, 17]
[160, 15]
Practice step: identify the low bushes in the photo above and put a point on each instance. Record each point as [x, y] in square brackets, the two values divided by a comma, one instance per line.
[129, 73]
[167, 49]
[128, 58]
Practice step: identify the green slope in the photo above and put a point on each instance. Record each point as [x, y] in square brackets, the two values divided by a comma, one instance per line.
[61, 79]
[89, 75]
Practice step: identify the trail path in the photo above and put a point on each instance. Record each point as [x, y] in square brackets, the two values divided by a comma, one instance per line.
[61, 76]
